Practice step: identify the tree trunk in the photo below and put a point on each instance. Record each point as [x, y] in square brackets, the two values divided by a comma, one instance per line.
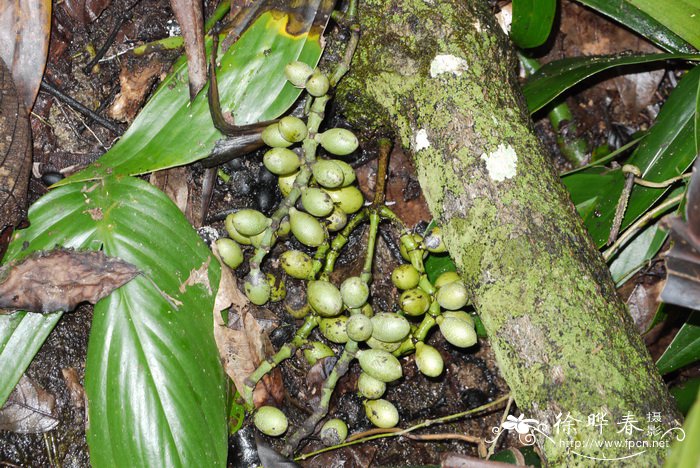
[439, 74]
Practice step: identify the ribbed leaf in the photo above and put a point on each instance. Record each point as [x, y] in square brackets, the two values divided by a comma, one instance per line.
[635, 19]
[171, 131]
[532, 22]
[685, 347]
[556, 77]
[154, 382]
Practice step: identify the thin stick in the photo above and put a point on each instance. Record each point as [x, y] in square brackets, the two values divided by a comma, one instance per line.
[57, 93]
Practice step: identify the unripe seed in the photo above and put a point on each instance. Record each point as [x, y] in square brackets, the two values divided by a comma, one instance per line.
[272, 136]
[337, 220]
[354, 292]
[249, 222]
[447, 278]
[338, 141]
[457, 332]
[286, 183]
[278, 290]
[429, 360]
[405, 276]
[257, 289]
[348, 172]
[381, 413]
[433, 241]
[284, 228]
[230, 252]
[390, 327]
[324, 298]
[334, 432]
[459, 314]
[318, 84]
[380, 364]
[306, 228]
[359, 327]
[414, 302]
[281, 161]
[297, 264]
[317, 350]
[327, 173]
[270, 421]
[374, 343]
[349, 199]
[292, 128]
[298, 73]
[452, 296]
[369, 387]
[233, 233]
[334, 329]
[317, 202]
[296, 304]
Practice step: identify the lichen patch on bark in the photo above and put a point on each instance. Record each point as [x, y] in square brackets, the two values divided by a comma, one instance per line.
[422, 141]
[447, 63]
[501, 164]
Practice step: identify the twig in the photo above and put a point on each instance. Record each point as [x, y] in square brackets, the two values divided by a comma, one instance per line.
[124, 16]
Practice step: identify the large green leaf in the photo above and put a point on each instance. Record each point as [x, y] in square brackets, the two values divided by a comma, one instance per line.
[154, 383]
[637, 253]
[667, 151]
[635, 19]
[532, 22]
[685, 347]
[171, 131]
[685, 452]
[556, 77]
[680, 16]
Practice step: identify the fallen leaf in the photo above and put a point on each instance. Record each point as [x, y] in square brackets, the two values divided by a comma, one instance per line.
[683, 260]
[135, 81]
[85, 11]
[643, 303]
[61, 279]
[174, 183]
[24, 43]
[29, 409]
[15, 152]
[75, 389]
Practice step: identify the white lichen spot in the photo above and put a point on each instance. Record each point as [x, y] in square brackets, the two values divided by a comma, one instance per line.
[477, 26]
[502, 163]
[422, 141]
[446, 63]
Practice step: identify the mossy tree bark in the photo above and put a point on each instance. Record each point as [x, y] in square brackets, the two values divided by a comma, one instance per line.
[439, 74]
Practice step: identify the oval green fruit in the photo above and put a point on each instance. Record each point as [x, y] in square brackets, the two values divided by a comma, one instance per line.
[405, 276]
[298, 73]
[296, 304]
[457, 332]
[433, 241]
[297, 264]
[317, 202]
[429, 360]
[286, 183]
[337, 220]
[390, 327]
[327, 173]
[230, 252]
[324, 298]
[414, 302]
[334, 329]
[354, 292]
[374, 343]
[447, 278]
[338, 141]
[317, 85]
[359, 327]
[380, 364]
[334, 432]
[272, 136]
[348, 172]
[349, 199]
[306, 228]
[316, 350]
[281, 161]
[452, 296]
[369, 387]
[381, 413]
[256, 287]
[233, 233]
[270, 421]
[459, 314]
[292, 128]
[415, 241]
[249, 222]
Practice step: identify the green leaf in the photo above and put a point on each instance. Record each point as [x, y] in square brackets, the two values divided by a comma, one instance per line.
[685, 394]
[667, 151]
[20, 332]
[556, 77]
[437, 264]
[171, 131]
[680, 16]
[532, 22]
[685, 347]
[637, 253]
[635, 19]
[154, 383]
[685, 452]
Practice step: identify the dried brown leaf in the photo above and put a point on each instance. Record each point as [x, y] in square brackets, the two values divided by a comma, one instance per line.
[190, 17]
[173, 182]
[135, 81]
[643, 303]
[61, 279]
[85, 11]
[29, 410]
[24, 43]
[15, 152]
[75, 389]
